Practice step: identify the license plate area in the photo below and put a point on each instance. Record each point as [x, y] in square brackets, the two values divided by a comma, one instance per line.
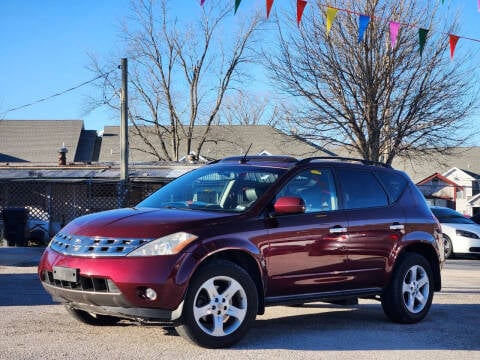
[65, 274]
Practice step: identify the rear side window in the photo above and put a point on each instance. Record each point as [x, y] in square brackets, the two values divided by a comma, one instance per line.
[361, 189]
[394, 183]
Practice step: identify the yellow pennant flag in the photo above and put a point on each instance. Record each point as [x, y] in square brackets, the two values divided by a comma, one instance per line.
[331, 13]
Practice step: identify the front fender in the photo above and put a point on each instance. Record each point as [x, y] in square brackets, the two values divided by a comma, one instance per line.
[215, 248]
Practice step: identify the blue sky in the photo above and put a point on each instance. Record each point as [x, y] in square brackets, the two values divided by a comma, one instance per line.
[45, 45]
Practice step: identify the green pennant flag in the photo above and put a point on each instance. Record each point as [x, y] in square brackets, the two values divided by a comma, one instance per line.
[422, 38]
[237, 4]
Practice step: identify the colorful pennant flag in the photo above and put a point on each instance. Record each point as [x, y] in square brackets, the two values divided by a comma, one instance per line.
[422, 38]
[202, 2]
[394, 27]
[453, 42]
[300, 7]
[269, 7]
[362, 26]
[331, 13]
[478, 5]
[237, 4]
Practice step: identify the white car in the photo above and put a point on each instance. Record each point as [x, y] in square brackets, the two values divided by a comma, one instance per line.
[461, 235]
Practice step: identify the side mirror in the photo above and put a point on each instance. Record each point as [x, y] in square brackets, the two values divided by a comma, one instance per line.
[289, 205]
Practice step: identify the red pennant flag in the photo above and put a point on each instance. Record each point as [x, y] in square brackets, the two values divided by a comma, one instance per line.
[202, 2]
[269, 7]
[453, 43]
[300, 7]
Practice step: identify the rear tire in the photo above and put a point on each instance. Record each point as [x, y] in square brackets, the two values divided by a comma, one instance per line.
[92, 319]
[408, 296]
[220, 306]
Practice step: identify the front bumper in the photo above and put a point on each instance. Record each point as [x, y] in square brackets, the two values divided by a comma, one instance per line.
[465, 245]
[115, 285]
[110, 304]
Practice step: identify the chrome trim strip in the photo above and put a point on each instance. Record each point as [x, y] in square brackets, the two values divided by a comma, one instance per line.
[94, 246]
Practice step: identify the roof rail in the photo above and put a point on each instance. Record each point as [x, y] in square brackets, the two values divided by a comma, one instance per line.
[340, 158]
[259, 158]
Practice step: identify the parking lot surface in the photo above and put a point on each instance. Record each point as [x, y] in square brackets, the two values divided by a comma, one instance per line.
[33, 327]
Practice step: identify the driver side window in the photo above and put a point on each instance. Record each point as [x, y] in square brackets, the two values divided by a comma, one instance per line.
[316, 187]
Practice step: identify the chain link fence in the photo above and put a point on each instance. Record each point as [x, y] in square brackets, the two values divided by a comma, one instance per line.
[51, 205]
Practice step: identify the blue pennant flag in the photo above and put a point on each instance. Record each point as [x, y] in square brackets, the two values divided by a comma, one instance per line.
[362, 26]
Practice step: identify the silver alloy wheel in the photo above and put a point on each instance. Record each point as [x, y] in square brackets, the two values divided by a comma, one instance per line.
[415, 289]
[220, 306]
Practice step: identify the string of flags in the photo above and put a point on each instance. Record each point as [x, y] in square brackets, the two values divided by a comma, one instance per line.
[363, 21]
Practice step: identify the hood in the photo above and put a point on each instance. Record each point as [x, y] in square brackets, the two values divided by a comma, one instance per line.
[141, 223]
[474, 228]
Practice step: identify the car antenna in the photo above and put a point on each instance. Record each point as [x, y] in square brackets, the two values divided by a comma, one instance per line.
[244, 159]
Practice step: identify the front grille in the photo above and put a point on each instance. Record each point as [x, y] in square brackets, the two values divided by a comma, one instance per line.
[94, 246]
[85, 283]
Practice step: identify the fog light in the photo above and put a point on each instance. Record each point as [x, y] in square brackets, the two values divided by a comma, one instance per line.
[150, 294]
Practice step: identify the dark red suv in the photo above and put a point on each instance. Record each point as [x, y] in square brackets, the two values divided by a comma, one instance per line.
[211, 249]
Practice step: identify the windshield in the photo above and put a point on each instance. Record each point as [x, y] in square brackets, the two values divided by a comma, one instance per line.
[215, 188]
[450, 216]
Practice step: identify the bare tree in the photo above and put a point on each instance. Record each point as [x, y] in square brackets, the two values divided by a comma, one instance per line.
[247, 108]
[180, 73]
[377, 101]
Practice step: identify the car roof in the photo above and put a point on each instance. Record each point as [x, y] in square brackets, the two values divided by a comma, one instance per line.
[290, 161]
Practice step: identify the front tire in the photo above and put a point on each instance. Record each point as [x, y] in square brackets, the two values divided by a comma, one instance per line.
[220, 305]
[92, 319]
[408, 296]
[447, 243]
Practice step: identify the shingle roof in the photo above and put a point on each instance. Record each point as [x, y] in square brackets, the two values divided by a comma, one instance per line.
[466, 159]
[38, 140]
[224, 141]
[421, 167]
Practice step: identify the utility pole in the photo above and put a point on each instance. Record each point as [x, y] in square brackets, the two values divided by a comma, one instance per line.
[123, 186]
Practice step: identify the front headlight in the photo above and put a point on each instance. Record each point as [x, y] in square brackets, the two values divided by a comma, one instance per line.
[467, 234]
[166, 245]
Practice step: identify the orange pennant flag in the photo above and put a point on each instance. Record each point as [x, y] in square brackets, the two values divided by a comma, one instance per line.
[300, 7]
[453, 42]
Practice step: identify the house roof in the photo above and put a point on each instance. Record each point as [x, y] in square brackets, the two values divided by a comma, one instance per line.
[474, 201]
[39, 140]
[466, 175]
[99, 172]
[441, 178]
[223, 141]
[421, 167]
[464, 158]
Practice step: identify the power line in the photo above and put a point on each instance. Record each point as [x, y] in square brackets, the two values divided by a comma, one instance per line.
[104, 75]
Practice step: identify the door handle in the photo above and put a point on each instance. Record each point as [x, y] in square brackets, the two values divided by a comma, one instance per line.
[397, 226]
[338, 230]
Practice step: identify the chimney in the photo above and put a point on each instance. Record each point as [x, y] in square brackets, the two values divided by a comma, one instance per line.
[62, 155]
